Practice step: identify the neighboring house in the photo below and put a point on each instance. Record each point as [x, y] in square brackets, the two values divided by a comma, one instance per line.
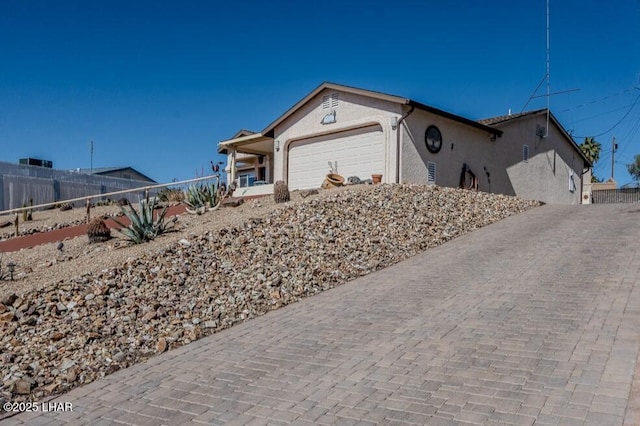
[20, 183]
[368, 133]
[119, 172]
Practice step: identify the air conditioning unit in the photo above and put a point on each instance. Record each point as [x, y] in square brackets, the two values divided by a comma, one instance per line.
[586, 197]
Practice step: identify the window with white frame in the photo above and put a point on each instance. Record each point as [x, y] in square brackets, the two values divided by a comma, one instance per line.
[330, 101]
[246, 179]
[431, 172]
[525, 153]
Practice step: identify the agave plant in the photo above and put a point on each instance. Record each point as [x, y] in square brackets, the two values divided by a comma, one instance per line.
[199, 199]
[143, 226]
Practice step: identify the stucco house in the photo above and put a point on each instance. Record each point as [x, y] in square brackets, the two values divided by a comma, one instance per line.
[367, 132]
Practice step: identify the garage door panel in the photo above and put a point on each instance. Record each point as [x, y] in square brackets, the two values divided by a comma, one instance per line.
[358, 152]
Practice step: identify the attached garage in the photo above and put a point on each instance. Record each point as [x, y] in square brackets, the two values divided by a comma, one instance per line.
[359, 152]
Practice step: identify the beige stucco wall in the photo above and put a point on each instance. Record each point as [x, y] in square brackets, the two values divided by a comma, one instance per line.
[460, 144]
[552, 159]
[353, 111]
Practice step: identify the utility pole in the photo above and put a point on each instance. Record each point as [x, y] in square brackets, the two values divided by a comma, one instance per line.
[91, 157]
[614, 148]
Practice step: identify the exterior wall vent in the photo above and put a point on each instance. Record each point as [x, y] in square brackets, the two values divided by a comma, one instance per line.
[330, 101]
[525, 153]
[431, 172]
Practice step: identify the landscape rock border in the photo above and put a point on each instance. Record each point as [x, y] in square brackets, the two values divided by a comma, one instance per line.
[66, 334]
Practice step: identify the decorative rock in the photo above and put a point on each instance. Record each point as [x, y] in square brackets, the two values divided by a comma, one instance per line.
[6, 317]
[232, 202]
[22, 387]
[67, 364]
[8, 299]
[113, 318]
[161, 346]
[57, 336]
[306, 193]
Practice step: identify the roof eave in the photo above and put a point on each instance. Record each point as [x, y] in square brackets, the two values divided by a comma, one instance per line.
[454, 117]
[269, 130]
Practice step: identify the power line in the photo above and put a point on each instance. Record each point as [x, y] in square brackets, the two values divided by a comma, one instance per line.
[599, 100]
[619, 121]
[601, 114]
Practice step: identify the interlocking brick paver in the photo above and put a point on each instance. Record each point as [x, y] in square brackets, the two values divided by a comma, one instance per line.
[518, 322]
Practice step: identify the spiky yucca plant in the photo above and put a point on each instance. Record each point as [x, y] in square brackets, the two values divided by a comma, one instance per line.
[199, 199]
[143, 226]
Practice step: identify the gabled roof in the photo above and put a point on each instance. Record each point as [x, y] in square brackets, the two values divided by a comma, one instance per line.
[268, 131]
[103, 170]
[243, 132]
[496, 121]
[502, 118]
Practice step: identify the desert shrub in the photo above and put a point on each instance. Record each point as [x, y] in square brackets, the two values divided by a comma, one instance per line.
[171, 195]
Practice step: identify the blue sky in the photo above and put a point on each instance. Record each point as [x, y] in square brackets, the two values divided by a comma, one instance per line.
[157, 84]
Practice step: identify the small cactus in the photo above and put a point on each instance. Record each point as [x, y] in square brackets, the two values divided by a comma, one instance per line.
[281, 192]
[97, 231]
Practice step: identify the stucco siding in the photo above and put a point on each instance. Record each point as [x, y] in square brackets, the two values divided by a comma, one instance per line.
[460, 144]
[552, 161]
[353, 111]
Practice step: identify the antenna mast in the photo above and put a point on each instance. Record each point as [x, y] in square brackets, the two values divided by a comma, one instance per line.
[548, 73]
[92, 157]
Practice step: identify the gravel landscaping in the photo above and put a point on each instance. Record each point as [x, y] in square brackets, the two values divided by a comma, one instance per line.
[79, 314]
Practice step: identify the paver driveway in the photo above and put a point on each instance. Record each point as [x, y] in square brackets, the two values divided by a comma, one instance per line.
[533, 320]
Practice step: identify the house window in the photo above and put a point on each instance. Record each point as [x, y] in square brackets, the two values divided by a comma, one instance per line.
[246, 180]
[431, 172]
[525, 153]
[330, 101]
[126, 176]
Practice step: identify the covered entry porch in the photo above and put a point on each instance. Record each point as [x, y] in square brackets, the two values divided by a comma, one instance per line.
[250, 159]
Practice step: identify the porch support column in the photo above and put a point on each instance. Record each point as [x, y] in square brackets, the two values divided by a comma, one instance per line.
[233, 165]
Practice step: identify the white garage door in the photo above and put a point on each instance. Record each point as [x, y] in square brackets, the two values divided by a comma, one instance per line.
[359, 152]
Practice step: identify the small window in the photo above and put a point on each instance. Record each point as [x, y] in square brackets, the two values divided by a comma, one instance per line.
[431, 172]
[330, 101]
[126, 176]
[525, 153]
